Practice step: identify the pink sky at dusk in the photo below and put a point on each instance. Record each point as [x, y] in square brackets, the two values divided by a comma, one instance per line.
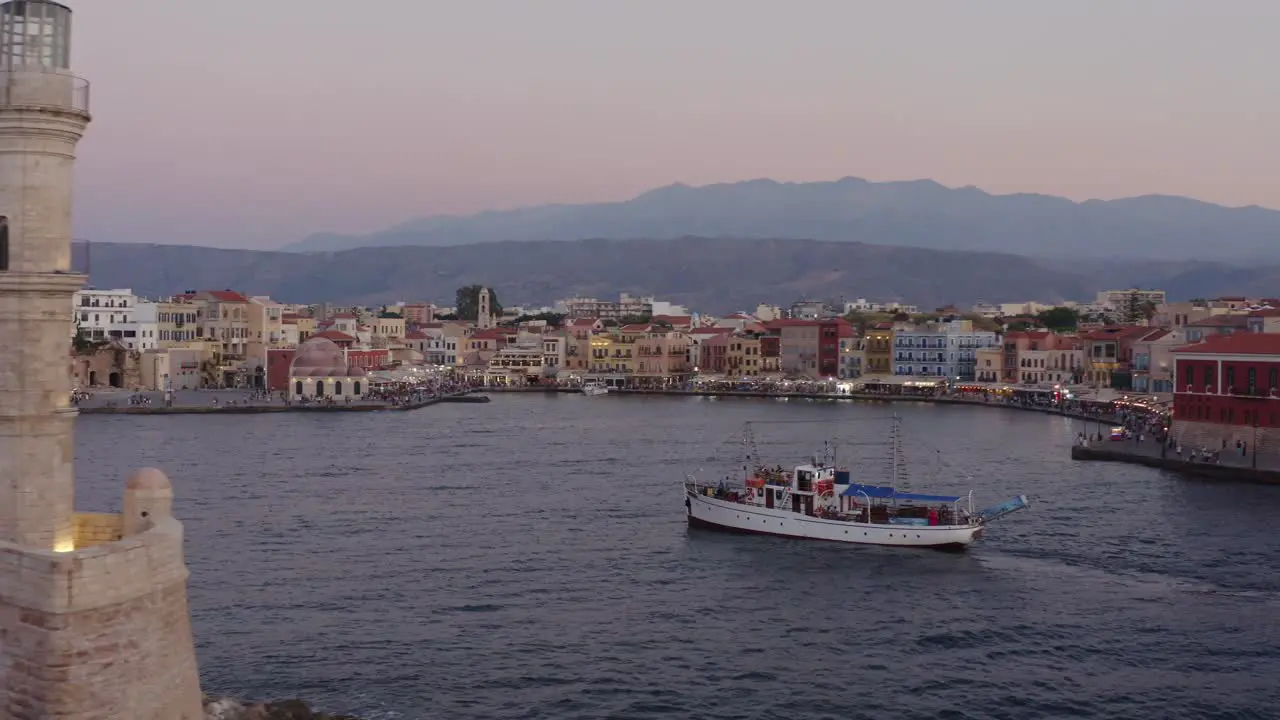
[254, 124]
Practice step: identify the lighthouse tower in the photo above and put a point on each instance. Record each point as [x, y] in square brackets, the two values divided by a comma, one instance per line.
[93, 606]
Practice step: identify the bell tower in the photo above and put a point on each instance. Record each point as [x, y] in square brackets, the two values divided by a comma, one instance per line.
[94, 623]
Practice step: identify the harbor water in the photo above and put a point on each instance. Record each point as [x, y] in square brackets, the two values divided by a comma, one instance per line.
[529, 558]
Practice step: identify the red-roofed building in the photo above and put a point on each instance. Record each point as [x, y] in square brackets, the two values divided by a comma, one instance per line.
[1227, 388]
[339, 338]
[1108, 355]
[809, 348]
[224, 319]
[677, 322]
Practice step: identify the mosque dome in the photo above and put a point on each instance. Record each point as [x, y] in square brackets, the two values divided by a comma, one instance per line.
[319, 357]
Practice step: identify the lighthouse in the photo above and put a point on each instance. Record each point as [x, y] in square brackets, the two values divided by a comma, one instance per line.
[93, 606]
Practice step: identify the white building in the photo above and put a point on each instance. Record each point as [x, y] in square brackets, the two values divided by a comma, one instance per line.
[1119, 299]
[107, 315]
[945, 350]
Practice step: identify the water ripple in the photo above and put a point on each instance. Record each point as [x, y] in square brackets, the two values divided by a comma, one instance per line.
[529, 559]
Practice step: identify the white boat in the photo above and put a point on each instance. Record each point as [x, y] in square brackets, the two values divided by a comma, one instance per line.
[819, 501]
[595, 387]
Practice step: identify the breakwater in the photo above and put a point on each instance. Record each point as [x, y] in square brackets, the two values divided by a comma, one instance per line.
[251, 409]
[1235, 468]
[845, 397]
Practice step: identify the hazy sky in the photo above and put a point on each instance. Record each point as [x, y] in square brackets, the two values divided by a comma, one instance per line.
[252, 124]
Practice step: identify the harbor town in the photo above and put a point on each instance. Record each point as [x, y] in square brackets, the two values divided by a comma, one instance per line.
[1203, 371]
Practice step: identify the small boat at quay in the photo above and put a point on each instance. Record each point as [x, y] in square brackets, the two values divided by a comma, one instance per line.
[819, 500]
[594, 388]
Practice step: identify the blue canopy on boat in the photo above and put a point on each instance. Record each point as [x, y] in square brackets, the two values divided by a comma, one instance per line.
[880, 492]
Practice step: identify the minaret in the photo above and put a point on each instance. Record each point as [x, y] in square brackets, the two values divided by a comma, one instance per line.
[484, 315]
[93, 607]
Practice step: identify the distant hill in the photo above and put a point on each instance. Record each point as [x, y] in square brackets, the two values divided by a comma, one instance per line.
[918, 213]
[709, 274]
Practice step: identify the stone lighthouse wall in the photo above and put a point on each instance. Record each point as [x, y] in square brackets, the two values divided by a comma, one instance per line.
[98, 634]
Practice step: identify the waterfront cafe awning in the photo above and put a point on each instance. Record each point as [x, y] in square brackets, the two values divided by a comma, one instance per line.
[879, 492]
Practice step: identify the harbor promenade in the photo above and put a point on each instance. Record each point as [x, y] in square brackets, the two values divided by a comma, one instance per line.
[204, 402]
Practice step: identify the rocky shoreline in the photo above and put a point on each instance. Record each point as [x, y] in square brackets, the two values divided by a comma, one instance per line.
[232, 709]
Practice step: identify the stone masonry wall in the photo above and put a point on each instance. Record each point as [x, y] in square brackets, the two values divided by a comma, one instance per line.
[1194, 434]
[98, 634]
[97, 528]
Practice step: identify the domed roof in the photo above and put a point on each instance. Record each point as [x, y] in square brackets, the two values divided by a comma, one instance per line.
[319, 357]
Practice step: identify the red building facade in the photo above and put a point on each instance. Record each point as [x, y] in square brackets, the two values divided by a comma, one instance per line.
[1227, 388]
[829, 348]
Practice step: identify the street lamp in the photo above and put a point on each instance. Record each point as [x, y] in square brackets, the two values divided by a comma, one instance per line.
[1255, 440]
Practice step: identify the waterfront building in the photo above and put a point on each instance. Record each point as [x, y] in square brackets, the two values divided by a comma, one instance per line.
[175, 321]
[1057, 359]
[878, 349]
[94, 620]
[320, 371]
[698, 337]
[852, 352]
[103, 315]
[266, 330]
[1109, 353]
[1153, 360]
[578, 334]
[946, 349]
[988, 364]
[1227, 392]
[713, 354]
[554, 348]
[224, 319]
[515, 365]
[743, 358]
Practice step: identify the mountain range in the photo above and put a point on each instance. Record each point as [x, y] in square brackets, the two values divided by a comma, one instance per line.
[914, 214]
[720, 274]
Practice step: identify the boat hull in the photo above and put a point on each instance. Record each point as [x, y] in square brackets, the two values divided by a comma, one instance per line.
[709, 512]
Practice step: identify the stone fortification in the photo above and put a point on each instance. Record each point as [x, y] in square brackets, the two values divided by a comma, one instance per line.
[101, 632]
[1194, 435]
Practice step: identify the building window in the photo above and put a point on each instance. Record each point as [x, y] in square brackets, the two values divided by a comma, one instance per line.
[337, 387]
[1253, 379]
[1191, 376]
[1208, 377]
[4, 242]
[319, 388]
[1272, 377]
[1231, 378]
[297, 388]
[356, 388]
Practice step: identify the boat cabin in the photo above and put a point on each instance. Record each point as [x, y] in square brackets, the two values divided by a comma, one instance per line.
[824, 491]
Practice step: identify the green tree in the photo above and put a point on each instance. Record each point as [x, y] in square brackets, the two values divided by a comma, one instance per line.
[1059, 319]
[383, 312]
[635, 319]
[82, 343]
[467, 301]
[447, 316]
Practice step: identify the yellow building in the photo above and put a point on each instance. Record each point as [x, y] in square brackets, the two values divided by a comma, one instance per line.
[743, 357]
[878, 350]
[386, 331]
